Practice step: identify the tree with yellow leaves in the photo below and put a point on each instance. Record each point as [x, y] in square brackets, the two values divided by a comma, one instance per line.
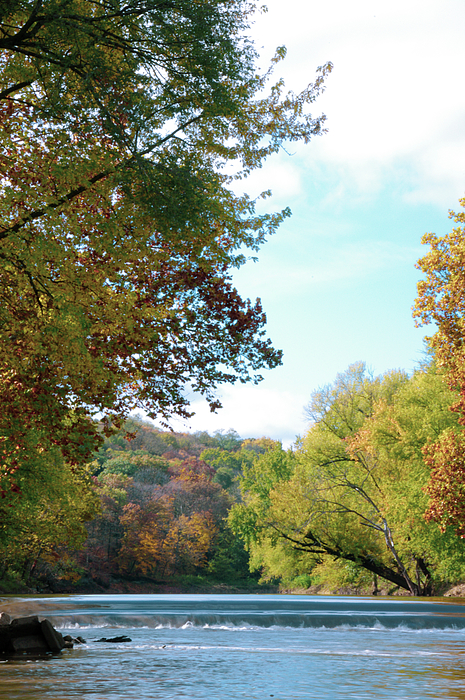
[441, 300]
[124, 127]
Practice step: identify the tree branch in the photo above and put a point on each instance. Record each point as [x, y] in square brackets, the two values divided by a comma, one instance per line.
[100, 176]
[365, 561]
[22, 34]
[14, 88]
[62, 200]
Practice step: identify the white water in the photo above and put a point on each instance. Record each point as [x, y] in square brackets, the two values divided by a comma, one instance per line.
[227, 647]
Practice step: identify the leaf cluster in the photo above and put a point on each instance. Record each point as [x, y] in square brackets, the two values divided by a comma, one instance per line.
[358, 488]
[124, 127]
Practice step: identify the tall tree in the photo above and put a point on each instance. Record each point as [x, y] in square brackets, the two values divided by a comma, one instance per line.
[355, 493]
[45, 515]
[124, 125]
[441, 300]
[395, 442]
[333, 505]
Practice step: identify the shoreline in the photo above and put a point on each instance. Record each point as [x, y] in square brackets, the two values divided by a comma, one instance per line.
[19, 602]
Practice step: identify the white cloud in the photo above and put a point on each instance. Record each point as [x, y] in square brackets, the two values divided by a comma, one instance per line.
[253, 411]
[281, 175]
[394, 98]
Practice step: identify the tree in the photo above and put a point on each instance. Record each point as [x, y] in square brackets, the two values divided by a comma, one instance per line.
[161, 517]
[396, 441]
[172, 531]
[441, 300]
[50, 507]
[229, 464]
[355, 494]
[122, 124]
[249, 519]
[333, 504]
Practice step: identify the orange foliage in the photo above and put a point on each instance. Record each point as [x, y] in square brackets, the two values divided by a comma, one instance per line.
[446, 459]
[441, 300]
[158, 543]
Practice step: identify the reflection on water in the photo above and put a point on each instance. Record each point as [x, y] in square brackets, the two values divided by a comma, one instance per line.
[449, 668]
[254, 647]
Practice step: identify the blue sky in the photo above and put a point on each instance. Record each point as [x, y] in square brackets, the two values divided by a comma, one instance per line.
[338, 280]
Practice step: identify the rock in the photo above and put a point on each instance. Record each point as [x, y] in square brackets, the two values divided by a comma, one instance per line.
[24, 625]
[456, 591]
[29, 635]
[53, 638]
[4, 639]
[122, 638]
[30, 644]
[71, 641]
[5, 619]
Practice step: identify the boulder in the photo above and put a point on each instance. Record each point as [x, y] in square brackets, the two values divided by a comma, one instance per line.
[73, 640]
[5, 619]
[30, 644]
[53, 638]
[29, 635]
[4, 639]
[23, 626]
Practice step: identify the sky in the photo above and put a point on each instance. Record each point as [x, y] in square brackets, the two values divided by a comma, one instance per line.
[338, 280]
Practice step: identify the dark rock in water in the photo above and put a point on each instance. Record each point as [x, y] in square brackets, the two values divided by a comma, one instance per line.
[122, 638]
[29, 636]
[5, 619]
[71, 641]
[24, 625]
[30, 644]
[53, 638]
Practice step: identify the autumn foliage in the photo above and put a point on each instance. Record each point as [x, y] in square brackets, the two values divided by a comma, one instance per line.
[446, 459]
[148, 508]
[441, 300]
[119, 226]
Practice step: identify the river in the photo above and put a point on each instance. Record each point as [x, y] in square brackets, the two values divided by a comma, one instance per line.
[227, 647]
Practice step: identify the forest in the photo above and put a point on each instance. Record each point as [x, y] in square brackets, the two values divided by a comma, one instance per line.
[356, 505]
[150, 509]
[125, 130]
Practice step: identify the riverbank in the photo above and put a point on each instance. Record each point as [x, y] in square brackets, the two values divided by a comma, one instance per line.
[201, 586]
[144, 586]
[446, 591]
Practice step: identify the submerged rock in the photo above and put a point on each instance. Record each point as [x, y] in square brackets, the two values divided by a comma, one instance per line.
[122, 638]
[74, 640]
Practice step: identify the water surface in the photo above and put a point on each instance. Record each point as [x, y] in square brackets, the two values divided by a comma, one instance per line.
[192, 647]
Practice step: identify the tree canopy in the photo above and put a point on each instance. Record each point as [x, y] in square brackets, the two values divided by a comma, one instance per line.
[441, 300]
[147, 507]
[124, 127]
[353, 492]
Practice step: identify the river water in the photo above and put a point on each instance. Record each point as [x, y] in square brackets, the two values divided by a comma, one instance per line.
[228, 647]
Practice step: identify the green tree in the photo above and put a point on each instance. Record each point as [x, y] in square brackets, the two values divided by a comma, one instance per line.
[249, 520]
[394, 441]
[327, 508]
[52, 502]
[123, 128]
[355, 494]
